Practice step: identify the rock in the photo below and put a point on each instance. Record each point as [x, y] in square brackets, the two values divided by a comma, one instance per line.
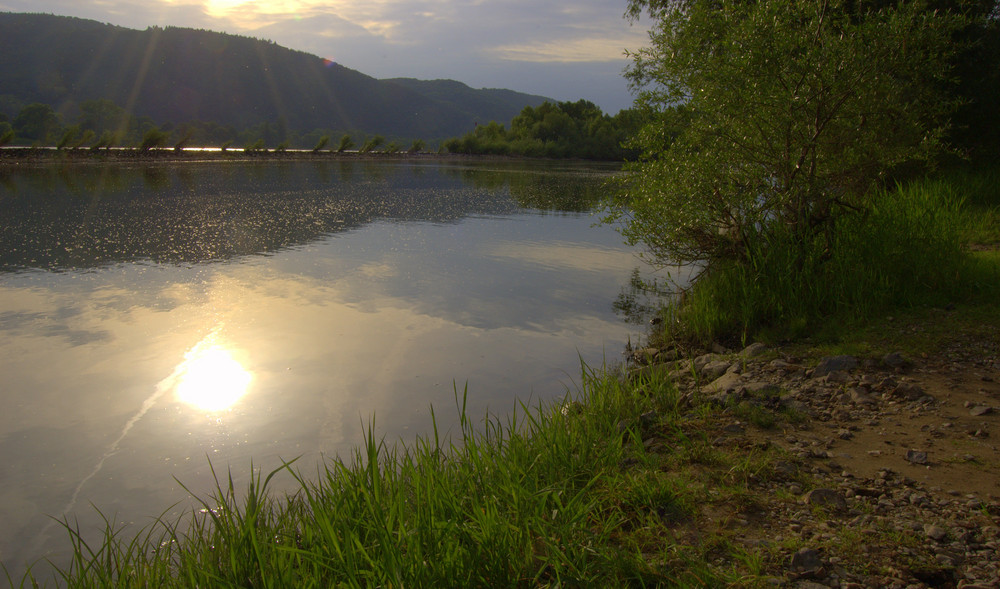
[727, 382]
[916, 456]
[782, 365]
[896, 360]
[726, 398]
[860, 396]
[753, 350]
[701, 361]
[980, 410]
[837, 376]
[762, 388]
[645, 355]
[807, 561]
[788, 469]
[830, 363]
[826, 498]
[936, 533]
[715, 369]
[908, 391]
[810, 585]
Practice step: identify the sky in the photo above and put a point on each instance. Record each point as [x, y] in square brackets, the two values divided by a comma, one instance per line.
[560, 49]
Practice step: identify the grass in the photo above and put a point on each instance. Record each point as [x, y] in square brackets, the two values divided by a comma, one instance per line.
[611, 492]
[926, 243]
[519, 502]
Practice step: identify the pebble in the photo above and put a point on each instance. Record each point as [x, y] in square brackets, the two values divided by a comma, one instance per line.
[849, 406]
[934, 532]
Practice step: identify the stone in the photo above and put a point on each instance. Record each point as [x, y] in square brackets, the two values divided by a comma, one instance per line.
[980, 410]
[646, 355]
[908, 391]
[727, 382]
[701, 361]
[826, 498]
[762, 388]
[916, 456]
[829, 364]
[782, 365]
[936, 533]
[838, 376]
[715, 369]
[753, 350]
[896, 360]
[860, 396]
[807, 561]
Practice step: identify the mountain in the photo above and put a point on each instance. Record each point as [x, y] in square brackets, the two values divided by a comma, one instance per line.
[180, 75]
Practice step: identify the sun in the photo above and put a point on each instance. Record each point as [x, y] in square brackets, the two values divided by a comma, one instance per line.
[211, 379]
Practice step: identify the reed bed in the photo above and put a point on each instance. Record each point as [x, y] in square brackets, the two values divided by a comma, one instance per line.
[518, 501]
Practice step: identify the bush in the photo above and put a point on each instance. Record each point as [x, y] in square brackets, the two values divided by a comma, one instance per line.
[907, 250]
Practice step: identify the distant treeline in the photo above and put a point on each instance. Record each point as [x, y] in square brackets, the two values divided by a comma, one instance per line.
[101, 124]
[563, 130]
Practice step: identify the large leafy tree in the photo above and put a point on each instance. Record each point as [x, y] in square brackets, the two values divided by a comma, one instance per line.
[793, 109]
[37, 121]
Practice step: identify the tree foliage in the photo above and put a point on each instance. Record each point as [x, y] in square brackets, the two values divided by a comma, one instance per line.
[38, 122]
[793, 110]
[567, 129]
[153, 138]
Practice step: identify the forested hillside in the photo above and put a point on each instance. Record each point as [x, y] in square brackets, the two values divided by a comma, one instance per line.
[179, 75]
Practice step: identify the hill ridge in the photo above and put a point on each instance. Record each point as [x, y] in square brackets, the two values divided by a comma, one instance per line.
[179, 74]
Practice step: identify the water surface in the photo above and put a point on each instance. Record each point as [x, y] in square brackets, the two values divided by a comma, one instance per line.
[153, 318]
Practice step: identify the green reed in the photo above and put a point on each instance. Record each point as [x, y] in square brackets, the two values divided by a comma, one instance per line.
[511, 501]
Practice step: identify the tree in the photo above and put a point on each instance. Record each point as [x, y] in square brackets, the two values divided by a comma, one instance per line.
[37, 121]
[345, 143]
[103, 116]
[153, 138]
[794, 109]
[321, 143]
[372, 144]
[6, 133]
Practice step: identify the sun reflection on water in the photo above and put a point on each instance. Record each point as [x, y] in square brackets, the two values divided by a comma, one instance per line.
[210, 378]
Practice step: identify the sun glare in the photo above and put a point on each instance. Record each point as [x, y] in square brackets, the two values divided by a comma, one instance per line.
[211, 379]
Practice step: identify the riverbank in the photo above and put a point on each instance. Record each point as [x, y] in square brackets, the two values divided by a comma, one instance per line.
[856, 456]
[865, 462]
[868, 462]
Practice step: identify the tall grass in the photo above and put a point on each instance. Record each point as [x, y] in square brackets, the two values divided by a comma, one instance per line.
[509, 502]
[910, 248]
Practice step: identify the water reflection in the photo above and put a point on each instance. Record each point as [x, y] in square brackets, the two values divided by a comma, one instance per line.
[210, 379]
[85, 216]
[333, 293]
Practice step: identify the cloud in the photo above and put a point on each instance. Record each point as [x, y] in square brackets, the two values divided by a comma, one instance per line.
[566, 50]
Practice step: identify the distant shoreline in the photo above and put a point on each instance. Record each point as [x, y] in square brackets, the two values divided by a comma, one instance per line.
[14, 155]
